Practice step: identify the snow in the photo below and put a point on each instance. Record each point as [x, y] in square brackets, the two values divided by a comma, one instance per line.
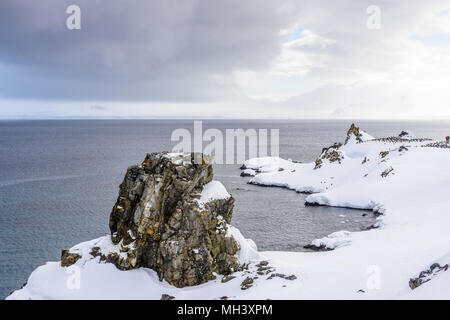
[437, 287]
[213, 190]
[249, 172]
[101, 280]
[365, 136]
[413, 198]
[335, 240]
[412, 234]
[362, 137]
[248, 251]
[104, 243]
[266, 164]
[407, 134]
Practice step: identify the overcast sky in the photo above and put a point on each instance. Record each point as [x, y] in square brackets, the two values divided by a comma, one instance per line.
[227, 58]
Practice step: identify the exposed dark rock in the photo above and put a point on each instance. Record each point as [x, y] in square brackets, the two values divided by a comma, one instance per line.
[403, 134]
[398, 140]
[386, 172]
[332, 154]
[247, 283]
[167, 297]
[264, 268]
[23, 286]
[383, 154]
[227, 278]
[371, 227]
[317, 248]
[283, 276]
[68, 258]
[442, 145]
[427, 275]
[311, 204]
[247, 174]
[353, 131]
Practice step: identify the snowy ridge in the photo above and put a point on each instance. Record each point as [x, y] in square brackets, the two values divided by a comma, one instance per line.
[406, 180]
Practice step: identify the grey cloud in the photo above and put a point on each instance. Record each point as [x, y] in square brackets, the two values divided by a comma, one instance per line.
[160, 50]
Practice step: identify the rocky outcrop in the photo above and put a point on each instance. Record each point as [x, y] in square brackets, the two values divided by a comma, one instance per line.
[355, 133]
[68, 258]
[387, 172]
[406, 134]
[248, 173]
[427, 275]
[171, 217]
[332, 154]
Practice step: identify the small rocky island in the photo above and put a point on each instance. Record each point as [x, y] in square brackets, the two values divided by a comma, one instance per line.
[170, 217]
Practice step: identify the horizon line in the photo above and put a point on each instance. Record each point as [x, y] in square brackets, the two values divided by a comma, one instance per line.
[64, 118]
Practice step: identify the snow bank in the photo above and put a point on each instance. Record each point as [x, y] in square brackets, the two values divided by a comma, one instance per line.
[335, 240]
[90, 278]
[248, 251]
[214, 190]
[266, 164]
[248, 173]
[407, 134]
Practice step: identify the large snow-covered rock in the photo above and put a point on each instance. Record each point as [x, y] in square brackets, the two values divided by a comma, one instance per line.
[407, 134]
[170, 217]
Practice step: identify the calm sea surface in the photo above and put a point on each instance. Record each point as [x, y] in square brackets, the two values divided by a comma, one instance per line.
[59, 181]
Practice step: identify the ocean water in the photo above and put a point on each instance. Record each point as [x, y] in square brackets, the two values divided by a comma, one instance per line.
[59, 181]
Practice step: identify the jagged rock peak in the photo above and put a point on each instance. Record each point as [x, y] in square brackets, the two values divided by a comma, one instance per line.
[407, 134]
[356, 135]
[171, 217]
[334, 154]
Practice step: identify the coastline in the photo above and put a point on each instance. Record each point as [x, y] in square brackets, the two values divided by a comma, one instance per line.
[375, 264]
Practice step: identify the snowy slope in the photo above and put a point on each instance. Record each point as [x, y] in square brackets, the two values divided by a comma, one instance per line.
[406, 180]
